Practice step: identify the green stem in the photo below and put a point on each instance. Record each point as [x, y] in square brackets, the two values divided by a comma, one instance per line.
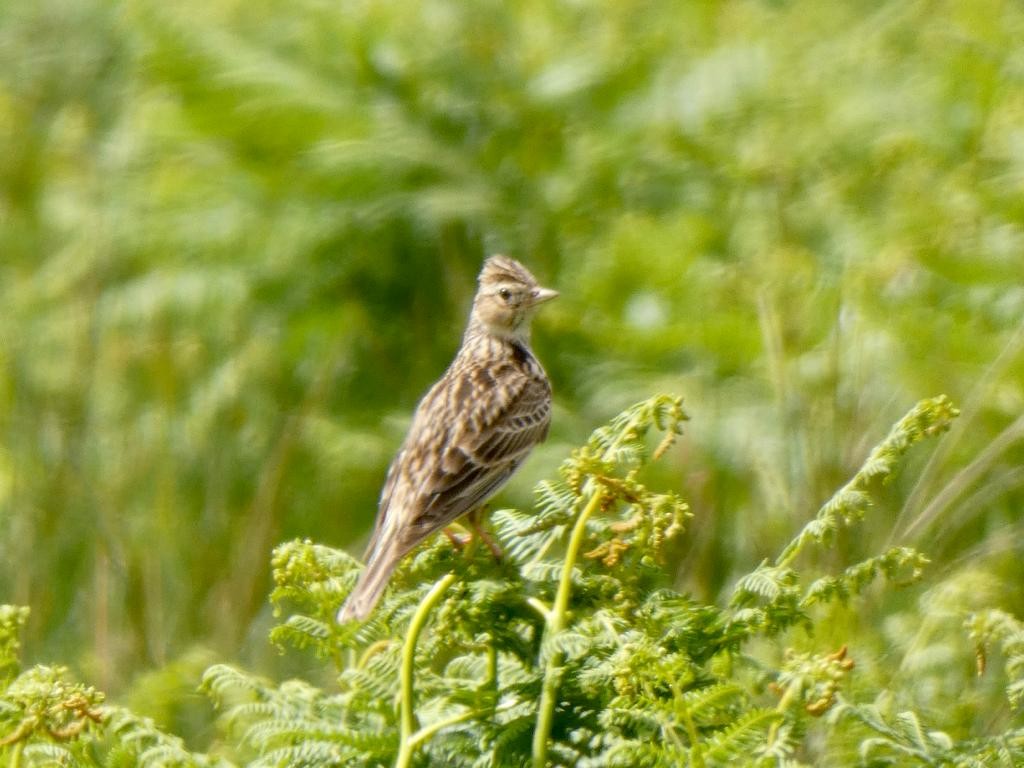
[424, 733]
[492, 670]
[696, 752]
[16, 755]
[555, 623]
[409, 742]
[539, 607]
[791, 692]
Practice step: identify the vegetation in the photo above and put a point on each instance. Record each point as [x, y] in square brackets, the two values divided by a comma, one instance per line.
[237, 241]
[579, 658]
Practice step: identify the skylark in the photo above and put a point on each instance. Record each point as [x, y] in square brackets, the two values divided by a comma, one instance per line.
[471, 431]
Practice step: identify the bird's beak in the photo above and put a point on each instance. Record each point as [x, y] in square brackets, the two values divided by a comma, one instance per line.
[543, 295]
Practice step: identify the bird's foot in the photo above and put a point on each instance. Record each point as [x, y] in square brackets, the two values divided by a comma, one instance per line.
[458, 540]
[465, 541]
[474, 519]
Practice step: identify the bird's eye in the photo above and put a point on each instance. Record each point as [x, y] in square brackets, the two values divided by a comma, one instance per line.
[505, 294]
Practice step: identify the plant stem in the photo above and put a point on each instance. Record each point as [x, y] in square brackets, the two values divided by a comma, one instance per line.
[696, 752]
[791, 692]
[555, 623]
[539, 607]
[424, 733]
[408, 742]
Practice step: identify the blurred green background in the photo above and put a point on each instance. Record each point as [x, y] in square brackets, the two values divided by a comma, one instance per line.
[238, 240]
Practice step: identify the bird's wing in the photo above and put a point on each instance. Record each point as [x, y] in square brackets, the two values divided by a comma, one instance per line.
[494, 421]
[469, 434]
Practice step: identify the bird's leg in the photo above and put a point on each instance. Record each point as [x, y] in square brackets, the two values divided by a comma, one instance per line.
[474, 519]
[466, 541]
[458, 540]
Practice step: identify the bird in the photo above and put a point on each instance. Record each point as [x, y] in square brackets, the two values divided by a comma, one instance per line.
[470, 432]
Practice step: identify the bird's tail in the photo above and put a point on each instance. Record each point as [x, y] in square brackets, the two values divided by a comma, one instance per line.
[371, 584]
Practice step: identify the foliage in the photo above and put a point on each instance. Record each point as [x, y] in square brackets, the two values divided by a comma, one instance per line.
[573, 649]
[993, 627]
[778, 585]
[49, 719]
[577, 638]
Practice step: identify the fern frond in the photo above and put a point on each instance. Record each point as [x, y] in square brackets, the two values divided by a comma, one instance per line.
[49, 755]
[901, 734]
[736, 743]
[12, 621]
[376, 678]
[642, 753]
[777, 593]
[767, 582]
[995, 627]
[225, 682]
[707, 704]
[900, 565]
[928, 418]
[300, 632]
[776, 586]
[306, 753]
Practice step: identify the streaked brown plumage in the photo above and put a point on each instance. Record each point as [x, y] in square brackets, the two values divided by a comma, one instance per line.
[470, 432]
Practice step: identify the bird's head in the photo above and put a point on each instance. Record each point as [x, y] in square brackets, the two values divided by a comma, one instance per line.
[507, 297]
